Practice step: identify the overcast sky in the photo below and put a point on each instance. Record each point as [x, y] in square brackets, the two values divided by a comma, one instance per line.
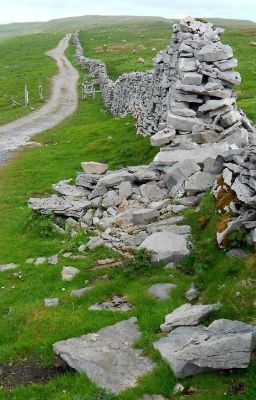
[43, 10]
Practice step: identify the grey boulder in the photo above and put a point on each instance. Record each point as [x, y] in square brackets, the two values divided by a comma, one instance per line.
[199, 182]
[192, 293]
[179, 172]
[141, 216]
[214, 52]
[107, 357]
[161, 291]
[187, 315]
[225, 344]
[152, 191]
[166, 247]
[67, 206]
[92, 167]
[115, 178]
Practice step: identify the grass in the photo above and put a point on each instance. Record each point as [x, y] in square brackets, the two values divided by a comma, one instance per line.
[107, 44]
[23, 62]
[28, 329]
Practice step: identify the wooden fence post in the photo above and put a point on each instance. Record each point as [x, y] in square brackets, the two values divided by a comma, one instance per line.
[40, 90]
[26, 95]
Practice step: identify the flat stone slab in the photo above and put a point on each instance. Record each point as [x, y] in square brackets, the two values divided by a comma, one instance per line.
[141, 216]
[163, 137]
[166, 246]
[107, 357]
[80, 292]
[51, 302]
[65, 189]
[93, 167]
[117, 303]
[225, 344]
[67, 206]
[115, 178]
[187, 315]
[161, 290]
[68, 273]
[7, 267]
[198, 154]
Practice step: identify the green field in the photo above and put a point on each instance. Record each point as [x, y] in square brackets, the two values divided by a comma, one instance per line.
[27, 328]
[23, 62]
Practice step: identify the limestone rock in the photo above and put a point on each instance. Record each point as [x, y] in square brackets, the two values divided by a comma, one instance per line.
[162, 137]
[183, 123]
[40, 261]
[117, 303]
[102, 356]
[224, 344]
[92, 167]
[199, 182]
[179, 172]
[110, 199]
[214, 52]
[95, 242]
[192, 78]
[53, 260]
[80, 292]
[187, 315]
[192, 293]
[143, 216]
[115, 178]
[65, 189]
[198, 154]
[51, 302]
[7, 267]
[152, 192]
[166, 247]
[68, 273]
[125, 190]
[67, 206]
[161, 290]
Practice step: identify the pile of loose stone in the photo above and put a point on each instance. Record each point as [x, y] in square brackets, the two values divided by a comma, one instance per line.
[127, 209]
[191, 348]
[235, 190]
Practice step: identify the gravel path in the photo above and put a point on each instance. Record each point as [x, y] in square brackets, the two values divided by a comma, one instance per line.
[62, 103]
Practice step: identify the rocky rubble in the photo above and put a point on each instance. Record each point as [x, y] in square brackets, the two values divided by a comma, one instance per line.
[127, 209]
[190, 348]
[235, 191]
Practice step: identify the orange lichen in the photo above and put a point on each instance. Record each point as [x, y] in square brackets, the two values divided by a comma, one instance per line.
[223, 222]
[224, 198]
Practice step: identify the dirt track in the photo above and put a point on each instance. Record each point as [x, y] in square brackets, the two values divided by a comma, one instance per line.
[61, 104]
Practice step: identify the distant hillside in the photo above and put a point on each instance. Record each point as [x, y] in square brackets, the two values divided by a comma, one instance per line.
[73, 23]
[69, 24]
[233, 23]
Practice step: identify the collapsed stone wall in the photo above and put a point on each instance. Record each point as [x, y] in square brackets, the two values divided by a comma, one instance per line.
[188, 96]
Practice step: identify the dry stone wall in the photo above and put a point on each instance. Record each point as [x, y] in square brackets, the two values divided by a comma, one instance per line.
[187, 105]
[189, 89]
[144, 95]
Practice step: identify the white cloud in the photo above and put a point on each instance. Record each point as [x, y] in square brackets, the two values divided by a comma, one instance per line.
[34, 10]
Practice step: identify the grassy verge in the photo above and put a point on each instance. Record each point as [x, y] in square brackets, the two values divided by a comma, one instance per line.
[23, 62]
[28, 329]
